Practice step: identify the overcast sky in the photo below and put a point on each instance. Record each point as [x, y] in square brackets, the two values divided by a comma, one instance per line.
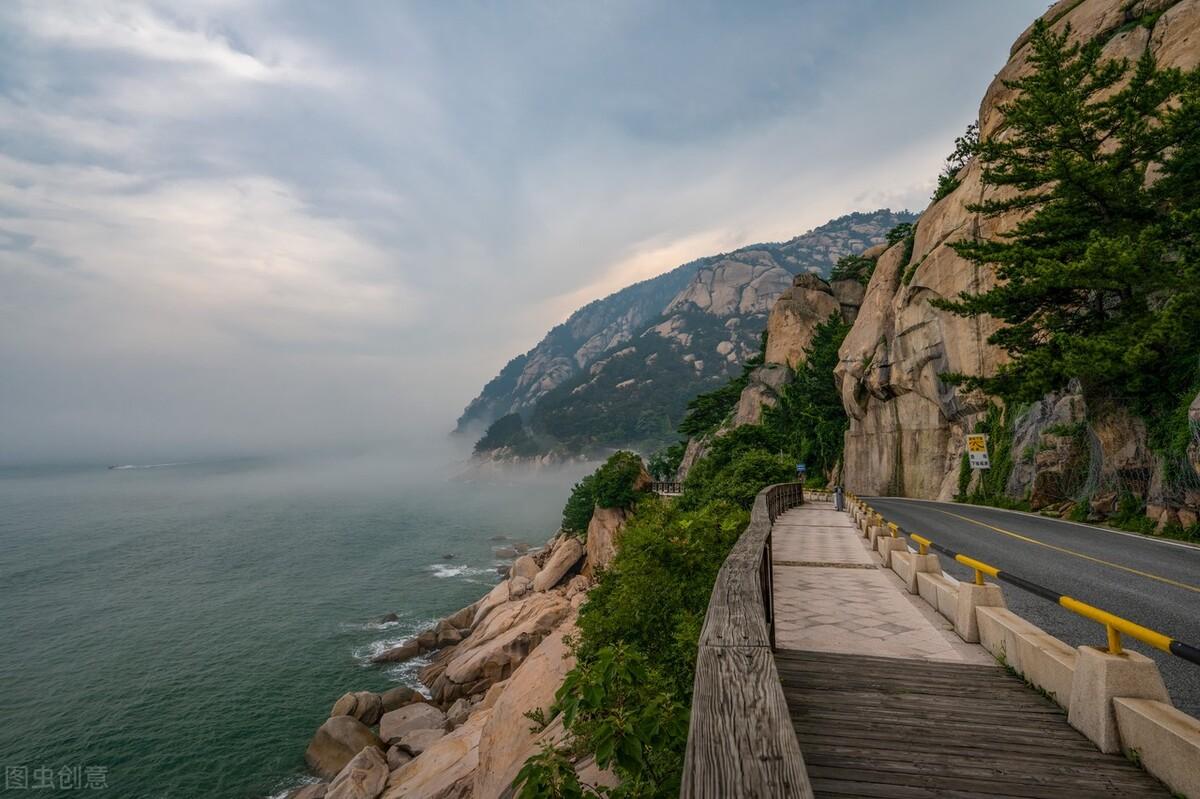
[232, 227]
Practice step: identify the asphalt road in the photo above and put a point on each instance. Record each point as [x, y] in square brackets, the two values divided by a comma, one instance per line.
[1153, 582]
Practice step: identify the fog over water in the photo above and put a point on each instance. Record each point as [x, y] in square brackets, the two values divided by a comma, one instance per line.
[237, 227]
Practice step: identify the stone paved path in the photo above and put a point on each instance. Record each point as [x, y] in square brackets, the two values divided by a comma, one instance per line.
[887, 701]
[832, 595]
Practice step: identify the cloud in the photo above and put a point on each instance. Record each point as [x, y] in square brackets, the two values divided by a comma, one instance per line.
[248, 225]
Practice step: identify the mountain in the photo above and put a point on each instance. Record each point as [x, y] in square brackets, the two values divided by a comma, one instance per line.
[620, 371]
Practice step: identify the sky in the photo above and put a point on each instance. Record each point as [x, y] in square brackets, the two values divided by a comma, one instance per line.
[237, 227]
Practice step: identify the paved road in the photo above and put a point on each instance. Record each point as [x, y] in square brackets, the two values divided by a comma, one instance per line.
[1151, 581]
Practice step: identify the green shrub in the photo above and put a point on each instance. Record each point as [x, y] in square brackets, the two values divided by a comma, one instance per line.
[614, 485]
[578, 510]
[664, 464]
[854, 267]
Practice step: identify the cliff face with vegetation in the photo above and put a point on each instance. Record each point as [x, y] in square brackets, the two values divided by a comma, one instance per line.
[621, 370]
[907, 425]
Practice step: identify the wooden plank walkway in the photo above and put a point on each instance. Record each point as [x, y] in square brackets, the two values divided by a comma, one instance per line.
[913, 729]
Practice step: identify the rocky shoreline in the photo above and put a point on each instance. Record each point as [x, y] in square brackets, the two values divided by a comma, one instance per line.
[493, 665]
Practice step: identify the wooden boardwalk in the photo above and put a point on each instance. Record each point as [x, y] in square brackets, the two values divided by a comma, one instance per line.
[912, 729]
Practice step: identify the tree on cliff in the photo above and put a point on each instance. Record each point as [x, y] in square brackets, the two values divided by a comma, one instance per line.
[1100, 280]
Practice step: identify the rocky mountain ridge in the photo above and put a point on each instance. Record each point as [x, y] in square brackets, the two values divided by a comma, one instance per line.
[621, 370]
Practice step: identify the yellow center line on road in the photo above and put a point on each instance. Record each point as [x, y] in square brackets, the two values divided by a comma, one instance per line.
[1072, 552]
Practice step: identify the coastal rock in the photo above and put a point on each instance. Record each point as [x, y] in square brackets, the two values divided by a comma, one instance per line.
[566, 554]
[495, 598]
[397, 654]
[365, 706]
[519, 587]
[493, 695]
[444, 770]
[397, 757]
[458, 712]
[314, 791]
[394, 725]
[398, 697]
[464, 617]
[579, 584]
[498, 646]
[336, 743]
[364, 777]
[417, 741]
[448, 637]
[525, 566]
[506, 740]
[602, 533]
[388, 618]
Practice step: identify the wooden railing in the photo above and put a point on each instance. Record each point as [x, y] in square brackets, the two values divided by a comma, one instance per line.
[741, 742]
[666, 489]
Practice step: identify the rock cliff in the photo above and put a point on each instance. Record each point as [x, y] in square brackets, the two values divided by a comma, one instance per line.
[906, 426]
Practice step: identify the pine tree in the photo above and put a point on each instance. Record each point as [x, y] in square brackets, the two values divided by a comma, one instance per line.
[1098, 281]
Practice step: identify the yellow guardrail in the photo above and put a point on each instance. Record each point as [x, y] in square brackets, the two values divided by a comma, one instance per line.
[1115, 626]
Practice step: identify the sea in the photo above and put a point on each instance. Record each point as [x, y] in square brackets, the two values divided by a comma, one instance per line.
[180, 629]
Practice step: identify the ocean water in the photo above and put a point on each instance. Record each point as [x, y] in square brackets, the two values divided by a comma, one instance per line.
[181, 630]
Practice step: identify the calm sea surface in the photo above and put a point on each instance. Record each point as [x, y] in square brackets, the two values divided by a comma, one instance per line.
[182, 630]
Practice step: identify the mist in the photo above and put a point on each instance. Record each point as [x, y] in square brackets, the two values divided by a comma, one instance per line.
[241, 228]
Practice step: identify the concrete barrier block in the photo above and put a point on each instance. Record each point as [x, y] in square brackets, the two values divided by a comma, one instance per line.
[940, 592]
[885, 545]
[1164, 739]
[874, 532]
[999, 632]
[1100, 678]
[1048, 663]
[971, 596]
[907, 565]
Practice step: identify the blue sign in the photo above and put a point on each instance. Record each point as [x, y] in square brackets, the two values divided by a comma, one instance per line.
[801, 468]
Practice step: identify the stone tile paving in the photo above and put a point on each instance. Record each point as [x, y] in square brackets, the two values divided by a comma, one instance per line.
[832, 595]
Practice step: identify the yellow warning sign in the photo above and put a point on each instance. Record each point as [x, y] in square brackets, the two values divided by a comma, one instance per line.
[977, 443]
[977, 452]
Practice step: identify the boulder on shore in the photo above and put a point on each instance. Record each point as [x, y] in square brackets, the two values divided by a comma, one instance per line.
[420, 716]
[446, 769]
[525, 566]
[364, 777]
[314, 791]
[336, 743]
[602, 533]
[405, 651]
[566, 555]
[398, 697]
[365, 706]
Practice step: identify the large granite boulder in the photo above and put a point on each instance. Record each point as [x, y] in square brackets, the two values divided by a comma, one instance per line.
[525, 566]
[364, 777]
[336, 743]
[398, 697]
[566, 554]
[365, 706]
[497, 646]
[445, 770]
[506, 740]
[420, 716]
[315, 791]
[602, 533]
[399, 653]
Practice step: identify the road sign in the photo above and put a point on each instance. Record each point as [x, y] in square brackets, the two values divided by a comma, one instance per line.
[801, 468]
[977, 452]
